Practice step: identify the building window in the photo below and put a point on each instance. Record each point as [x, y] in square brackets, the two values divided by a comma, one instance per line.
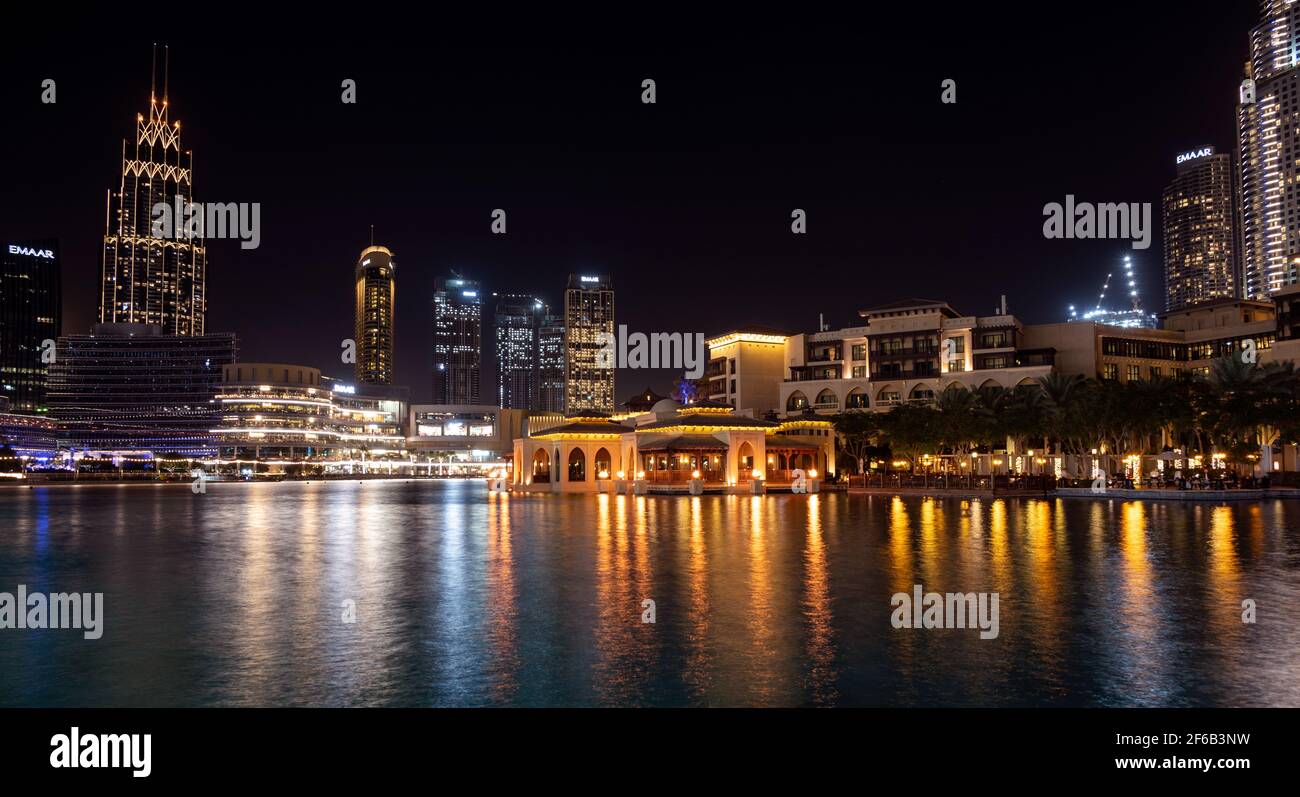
[1132, 373]
[1110, 371]
[859, 351]
[956, 365]
[1155, 372]
[859, 372]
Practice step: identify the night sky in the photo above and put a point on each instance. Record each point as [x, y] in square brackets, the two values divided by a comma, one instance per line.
[686, 202]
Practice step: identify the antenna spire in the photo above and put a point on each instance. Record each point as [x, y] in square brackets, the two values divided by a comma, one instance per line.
[166, 69]
[153, 73]
[372, 235]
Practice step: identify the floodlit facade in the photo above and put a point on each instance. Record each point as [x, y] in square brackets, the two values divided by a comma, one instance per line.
[144, 278]
[1200, 231]
[745, 368]
[588, 315]
[376, 299]
[671, 446]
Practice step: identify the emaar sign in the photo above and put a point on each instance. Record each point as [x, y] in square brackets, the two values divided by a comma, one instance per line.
[1194, 154]
[27, 251]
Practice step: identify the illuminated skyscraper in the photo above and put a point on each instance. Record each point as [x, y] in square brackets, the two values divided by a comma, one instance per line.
[550, 364]
[146, 279]
[376, 297]
[518, 322]
[1200, 235]
[31, 312]
[1268, 154]
[588, 312]
[457, 341]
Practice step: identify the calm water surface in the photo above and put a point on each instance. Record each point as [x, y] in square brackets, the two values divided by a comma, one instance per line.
[463, 597]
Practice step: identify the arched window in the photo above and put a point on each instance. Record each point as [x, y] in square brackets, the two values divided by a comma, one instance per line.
[797, 401]
[856, 399]
[827, 398]
[602, 463]
[541, 466]
[577, 466]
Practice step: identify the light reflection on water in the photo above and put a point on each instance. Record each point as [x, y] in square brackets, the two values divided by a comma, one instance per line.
[462, 597]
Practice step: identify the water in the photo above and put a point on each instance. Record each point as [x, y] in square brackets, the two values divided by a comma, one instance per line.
[462, 597]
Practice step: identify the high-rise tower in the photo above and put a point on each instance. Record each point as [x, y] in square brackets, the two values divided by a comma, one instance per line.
[457, 341]
[1200, 233]
[1269, 159]
[588, 316]
[376, 296]
[518, 323]
[144, 278]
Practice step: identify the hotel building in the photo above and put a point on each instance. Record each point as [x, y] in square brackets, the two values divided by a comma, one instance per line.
[457, 341]
[130, 387]
[146, 279]
[907, 351]
[1268, 147]
[31, 312]
[1200, 231]
[746, 367]
[376, 298]
[550, 365]
[588, 317]
[518, 324]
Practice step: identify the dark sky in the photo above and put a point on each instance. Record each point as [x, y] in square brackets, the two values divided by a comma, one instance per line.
[686, 202]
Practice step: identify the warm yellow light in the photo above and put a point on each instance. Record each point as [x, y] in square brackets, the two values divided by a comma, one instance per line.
[757, 474]
[812, 474]
[695, 474]
[997, 462]
[640, 474]
[604, 474]
[1031, 452]
[621, 475]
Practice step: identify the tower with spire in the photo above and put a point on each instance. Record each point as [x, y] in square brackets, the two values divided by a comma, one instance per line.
[146, 278]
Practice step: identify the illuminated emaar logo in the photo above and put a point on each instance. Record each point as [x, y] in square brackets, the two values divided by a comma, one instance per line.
[27, 251]
[589, 279]
[1194, 154]
[345, 388]
[469, 294]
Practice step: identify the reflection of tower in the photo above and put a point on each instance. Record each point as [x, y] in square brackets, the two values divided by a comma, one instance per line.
[1266, 129]
[146, 279]
[376, 295]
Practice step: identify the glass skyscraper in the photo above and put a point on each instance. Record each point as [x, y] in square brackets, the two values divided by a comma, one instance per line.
[457, 341]
[518, 324]
[31, 312]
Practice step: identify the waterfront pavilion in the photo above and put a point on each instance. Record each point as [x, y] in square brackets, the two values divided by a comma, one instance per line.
[671, 444]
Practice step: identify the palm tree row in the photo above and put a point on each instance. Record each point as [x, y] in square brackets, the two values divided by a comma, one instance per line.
[1232, 411]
